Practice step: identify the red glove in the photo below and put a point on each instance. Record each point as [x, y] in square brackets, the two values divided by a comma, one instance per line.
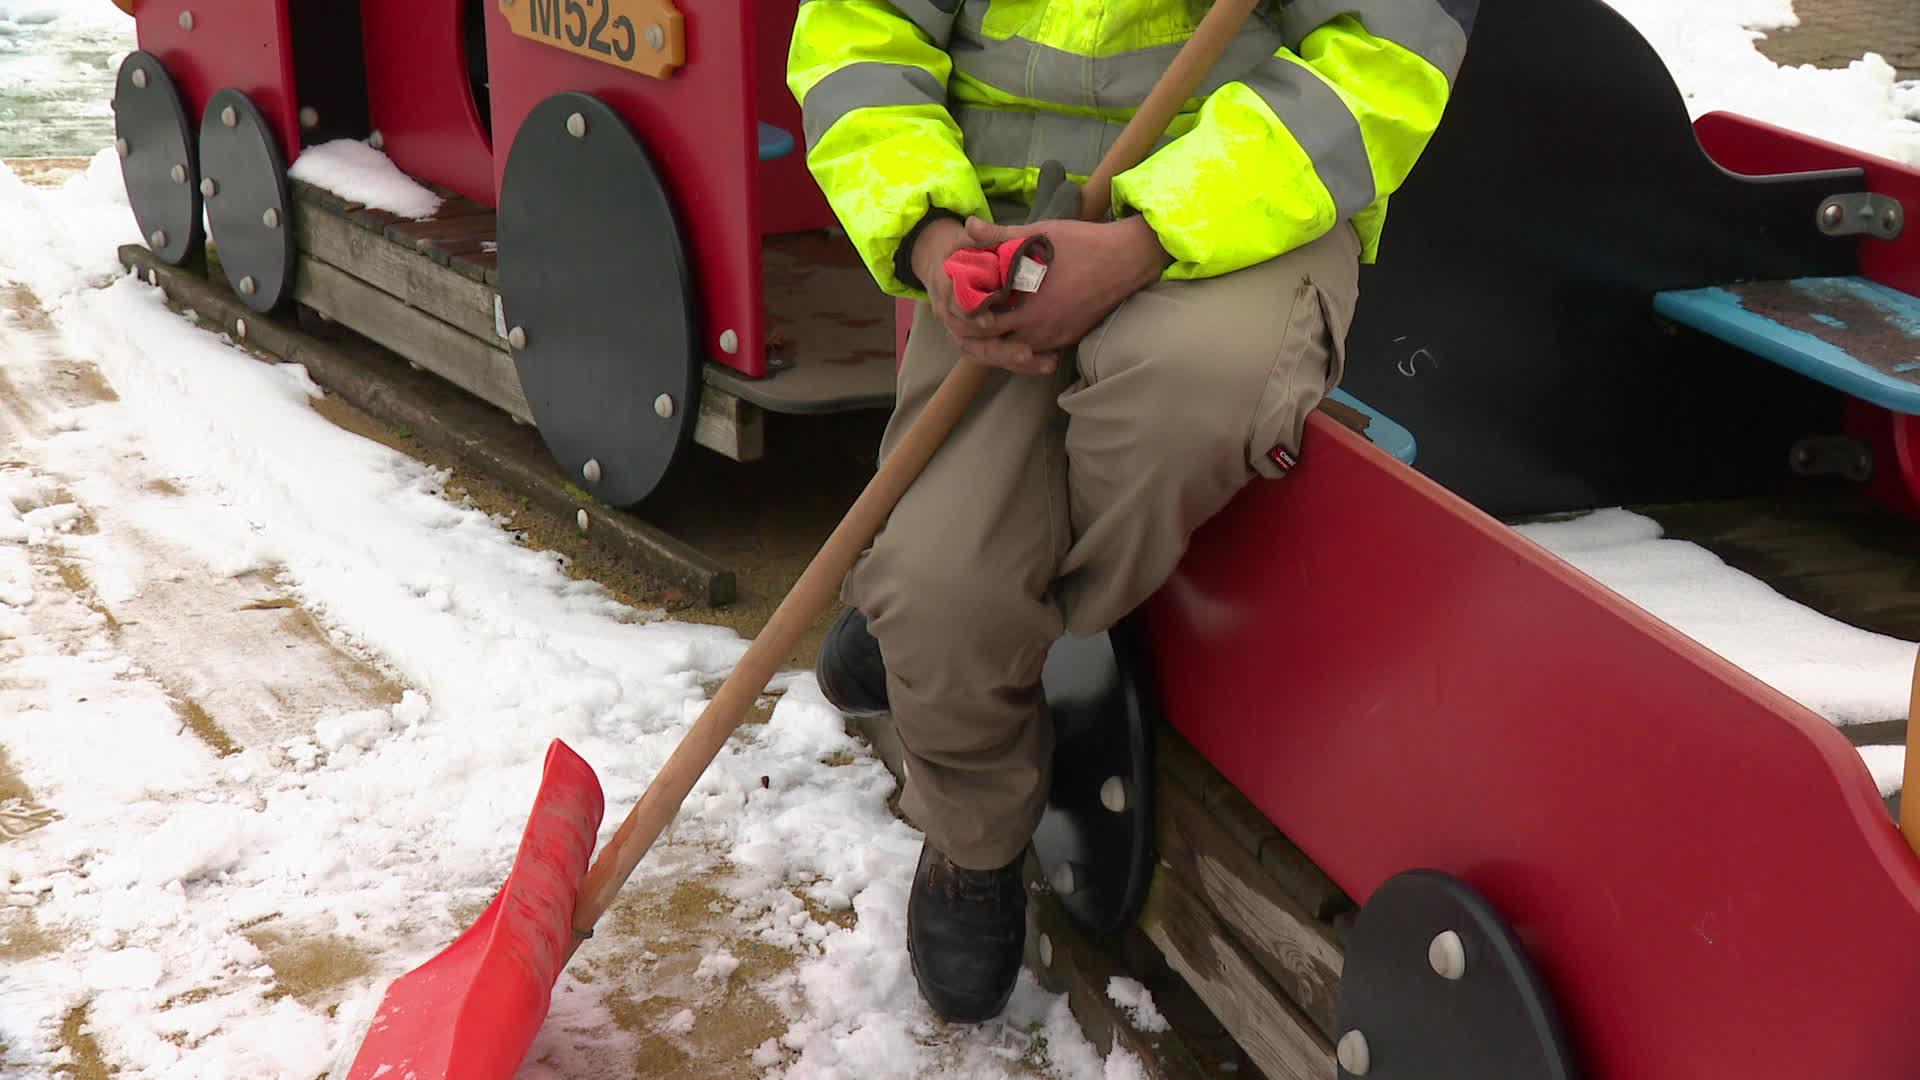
[999, 276]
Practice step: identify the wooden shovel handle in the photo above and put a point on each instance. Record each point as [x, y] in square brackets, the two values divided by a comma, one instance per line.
[820, 582]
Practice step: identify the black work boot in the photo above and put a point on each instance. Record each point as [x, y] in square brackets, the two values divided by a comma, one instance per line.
[849, 667]
[965, 931]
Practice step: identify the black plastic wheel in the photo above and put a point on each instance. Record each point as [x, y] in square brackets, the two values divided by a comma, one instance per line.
[157, 160]
[598, 298]
[1095, 841]
[1437, 986]
[248, 207]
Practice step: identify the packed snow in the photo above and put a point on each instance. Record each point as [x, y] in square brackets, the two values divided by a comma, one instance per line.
[1848, 675]
[355, 171]
[168, 862]
[1708, 46]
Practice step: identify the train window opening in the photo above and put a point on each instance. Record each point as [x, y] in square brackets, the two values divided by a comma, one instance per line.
[329, 70]
[478, 83]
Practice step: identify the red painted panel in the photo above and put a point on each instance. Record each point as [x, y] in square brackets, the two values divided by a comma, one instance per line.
[697, 127]
[420, 97]
[1757, 148]
[789, 199]
[1702, 868]
[239, 43]
[1894, 439]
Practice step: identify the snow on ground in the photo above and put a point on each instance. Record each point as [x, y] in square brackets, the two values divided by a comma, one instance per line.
[223, 853]
[57, 63]
[1708, 47]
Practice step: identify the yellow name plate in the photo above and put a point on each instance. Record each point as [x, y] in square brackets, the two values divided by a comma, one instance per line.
[643, 36]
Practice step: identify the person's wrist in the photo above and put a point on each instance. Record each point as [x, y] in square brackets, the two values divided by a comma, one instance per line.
[1150, 260]
[935, 242]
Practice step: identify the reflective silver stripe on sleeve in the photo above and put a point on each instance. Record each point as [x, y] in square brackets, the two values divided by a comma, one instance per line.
[1023, 139]
[1039, 72]
[926, 15]
[1324, 127]
[1422, 27]
[863, 86]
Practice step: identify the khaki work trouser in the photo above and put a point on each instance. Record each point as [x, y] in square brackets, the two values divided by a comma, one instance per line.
[1061, 502]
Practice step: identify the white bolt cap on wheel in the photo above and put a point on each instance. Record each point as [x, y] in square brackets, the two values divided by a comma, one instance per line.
[159, 238]
[248, 286]
[139, 78]
[1064, 880]
[1448, 955]
[663, 406]
[582, 520]
[230, 117]
[1046, 951]
[577, 126]
[179, 174]
[591, 471]
[123, 147]
[209, 187]
[271, 219]
[1353, 1054]
[1113, 794]
[517, 337]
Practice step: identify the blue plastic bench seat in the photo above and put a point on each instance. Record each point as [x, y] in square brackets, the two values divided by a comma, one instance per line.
[1382, 431]
[1857, 336]
[774, 142]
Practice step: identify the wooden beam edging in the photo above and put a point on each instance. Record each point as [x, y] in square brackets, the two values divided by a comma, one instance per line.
[469, 434]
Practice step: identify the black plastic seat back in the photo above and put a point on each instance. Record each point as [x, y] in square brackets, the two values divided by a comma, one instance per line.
[1509, 320]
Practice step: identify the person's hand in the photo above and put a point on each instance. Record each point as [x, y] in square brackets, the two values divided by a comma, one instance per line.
[1096, 266]
[976, 341]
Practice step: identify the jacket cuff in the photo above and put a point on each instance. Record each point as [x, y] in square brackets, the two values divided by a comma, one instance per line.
[903, 255]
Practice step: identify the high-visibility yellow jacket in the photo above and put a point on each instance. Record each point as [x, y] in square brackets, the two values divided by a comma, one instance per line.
[1314, 116]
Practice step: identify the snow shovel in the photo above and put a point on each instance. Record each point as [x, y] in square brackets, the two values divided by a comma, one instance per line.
[471, 1012]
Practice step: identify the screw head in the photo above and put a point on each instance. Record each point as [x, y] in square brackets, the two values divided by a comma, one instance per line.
[577, 125]
[1065, 879]
[517, 337]
[1113, 794]
[729, 342]
[582, 520]
[656, 37]
[377, 140]
[209, 187]
[1890, 220]
[1353, 1054]
[663, 406]
[1832, 213]
[230, 116]
[1448, 955]
[309, 117]
[186, 20]
[591, 471]
[1046, 951]
[240, 329]
[139, 78]
[153, 278]
[270, 218]
[179, 174]
[248, 286]
[159, 238]
[123, 147]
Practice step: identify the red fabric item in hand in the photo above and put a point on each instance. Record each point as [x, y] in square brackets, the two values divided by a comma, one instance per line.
[984, 277]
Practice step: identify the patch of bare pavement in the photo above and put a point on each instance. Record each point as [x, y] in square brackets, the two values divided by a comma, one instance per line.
[244, 666]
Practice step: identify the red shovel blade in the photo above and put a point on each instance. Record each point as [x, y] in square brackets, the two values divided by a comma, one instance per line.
[471, 1012]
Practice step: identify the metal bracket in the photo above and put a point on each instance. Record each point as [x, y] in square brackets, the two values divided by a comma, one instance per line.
[1859, 212]
[1832, 455]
